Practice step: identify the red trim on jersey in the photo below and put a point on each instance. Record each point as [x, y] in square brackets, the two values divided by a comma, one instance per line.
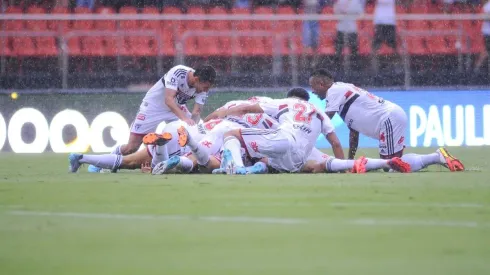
[283, 106]
[242, 143]
[148, 151]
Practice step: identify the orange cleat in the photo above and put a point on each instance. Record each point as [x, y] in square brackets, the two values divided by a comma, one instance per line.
[399, 165]
[360, 165]
[157, 139]
[183, 136]
[449, 161]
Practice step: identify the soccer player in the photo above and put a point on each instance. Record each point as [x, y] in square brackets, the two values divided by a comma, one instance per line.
[286, 148]
[206, 151]
[159, 148]
[166, 100]
[374, 117]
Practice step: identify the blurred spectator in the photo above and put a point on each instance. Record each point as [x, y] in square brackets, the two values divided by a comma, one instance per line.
[242, 3]
[384, 24]
[86, 3]
[347, 28]
[485, 29]
[311, 28]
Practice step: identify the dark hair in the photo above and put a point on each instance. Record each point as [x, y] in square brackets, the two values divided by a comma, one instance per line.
[205, 73]
[300, 93]
[322, 73]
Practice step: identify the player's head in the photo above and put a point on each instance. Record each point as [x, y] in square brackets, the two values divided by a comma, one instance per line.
[206, 76]
[320, 82]
[299, 93]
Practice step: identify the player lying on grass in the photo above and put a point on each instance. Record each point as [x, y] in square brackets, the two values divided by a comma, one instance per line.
[207, 150]
[155, 152]
[285, 149]
[374, 117]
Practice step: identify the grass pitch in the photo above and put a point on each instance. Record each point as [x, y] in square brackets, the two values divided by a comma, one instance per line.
[434, 222]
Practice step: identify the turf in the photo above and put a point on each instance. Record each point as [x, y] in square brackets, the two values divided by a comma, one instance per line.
[433, 222]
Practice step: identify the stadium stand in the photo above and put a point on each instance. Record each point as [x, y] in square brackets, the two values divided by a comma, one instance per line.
[89, 39]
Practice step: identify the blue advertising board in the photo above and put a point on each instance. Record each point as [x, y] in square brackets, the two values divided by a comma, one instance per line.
[436, 118]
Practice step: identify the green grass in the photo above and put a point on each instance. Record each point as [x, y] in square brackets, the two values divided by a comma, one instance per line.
[433, 222]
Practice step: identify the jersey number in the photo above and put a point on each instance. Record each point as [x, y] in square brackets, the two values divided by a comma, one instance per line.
[300, 116]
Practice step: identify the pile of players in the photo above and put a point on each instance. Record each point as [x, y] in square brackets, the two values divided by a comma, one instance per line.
[260, 135]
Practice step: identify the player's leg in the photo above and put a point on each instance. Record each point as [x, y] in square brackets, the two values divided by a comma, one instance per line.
[143, 124]
[441, 157]
[109, 161]
[257, 143]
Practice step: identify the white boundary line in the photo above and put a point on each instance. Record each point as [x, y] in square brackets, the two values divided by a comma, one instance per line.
[260, 220]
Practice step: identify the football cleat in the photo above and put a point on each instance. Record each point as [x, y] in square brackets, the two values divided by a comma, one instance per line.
[227, 162]
[449, 161]
[165, 166]
[183, 136]
[360, 165]
[157, 139]
[399, 165]
[257, 168]
[74, 160]
[94, 169]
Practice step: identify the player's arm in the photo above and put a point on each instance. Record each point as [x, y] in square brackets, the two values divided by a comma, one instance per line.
[213, 115]
[196, 112]
[336, 146]
[199, 102]
[353, 143]
[241, 110]
[172, 105]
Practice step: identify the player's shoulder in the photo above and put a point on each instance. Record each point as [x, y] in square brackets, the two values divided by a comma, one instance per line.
[179, 72]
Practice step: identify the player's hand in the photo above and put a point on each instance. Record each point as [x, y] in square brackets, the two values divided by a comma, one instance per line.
[189, 122]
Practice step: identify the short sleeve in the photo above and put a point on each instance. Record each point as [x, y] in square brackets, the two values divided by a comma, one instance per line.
[201, 98]
[170, 80]
[335, 96]
[327, 126]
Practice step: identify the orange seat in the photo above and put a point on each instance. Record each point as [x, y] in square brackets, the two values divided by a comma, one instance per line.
[217, 45]
[4, 47]
[416, 43]
[191, 43]
[327, 37]
[241, 44]
[438, 43]
[104, 45]
[46, 46]
[262, 45]
[60, 26]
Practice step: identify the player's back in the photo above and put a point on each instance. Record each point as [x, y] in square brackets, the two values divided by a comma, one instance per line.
[175, 79]
[261, 121]
[300, 118]
[360, 110]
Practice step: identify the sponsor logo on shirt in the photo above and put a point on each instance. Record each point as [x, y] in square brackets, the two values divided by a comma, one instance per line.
[140, 117]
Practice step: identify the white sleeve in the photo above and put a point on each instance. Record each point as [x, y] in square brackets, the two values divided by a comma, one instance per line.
[327, 126]
[170, 80]
[335, 96]
[201, 98]
[271, 107]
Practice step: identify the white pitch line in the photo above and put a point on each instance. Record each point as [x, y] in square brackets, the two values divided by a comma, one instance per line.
[285, 221]
[108, 216]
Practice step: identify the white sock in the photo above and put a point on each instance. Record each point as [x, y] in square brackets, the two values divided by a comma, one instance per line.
[233, 144]
[338, 165]
[418, 162]
[186, 165]
[201, 154]
[375, 164]
[109, 161]
[161, 154]
[117, 150]
[191, 143]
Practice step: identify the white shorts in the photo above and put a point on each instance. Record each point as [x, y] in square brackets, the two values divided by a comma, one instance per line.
[392, 133]
[213, 141]
[277, 146]
[317, 155]
[147, 122]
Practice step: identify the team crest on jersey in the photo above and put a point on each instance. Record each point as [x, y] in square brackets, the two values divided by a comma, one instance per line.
[254, 146]
[402, 139]
[207, 143]
[382, 137]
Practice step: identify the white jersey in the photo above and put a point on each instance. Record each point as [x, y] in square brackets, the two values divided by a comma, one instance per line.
[360, 110]
[175, 79]
[300, 119]
[261, 121]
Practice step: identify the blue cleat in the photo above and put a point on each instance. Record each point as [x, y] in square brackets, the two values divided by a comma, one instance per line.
[227, 162]
[165, 166]
[94, 169]
[257, 168]
[74, 159]
[240, 171]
